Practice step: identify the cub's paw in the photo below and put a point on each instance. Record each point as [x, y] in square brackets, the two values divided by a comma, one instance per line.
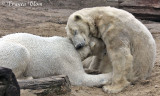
[115, 88]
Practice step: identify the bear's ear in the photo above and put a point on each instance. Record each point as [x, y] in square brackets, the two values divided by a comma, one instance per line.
[77, 17]
[92, 45]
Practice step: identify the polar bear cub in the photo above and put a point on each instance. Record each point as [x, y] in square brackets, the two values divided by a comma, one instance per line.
[99, 61]
[31, 55]
[97, 54]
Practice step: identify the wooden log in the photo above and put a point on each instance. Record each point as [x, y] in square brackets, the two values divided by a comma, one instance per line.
[143, 9]
[8, 83]
[154, 28]
[49, 86]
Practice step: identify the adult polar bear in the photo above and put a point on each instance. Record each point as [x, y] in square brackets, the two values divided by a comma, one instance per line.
[36, 56]
[129, 44]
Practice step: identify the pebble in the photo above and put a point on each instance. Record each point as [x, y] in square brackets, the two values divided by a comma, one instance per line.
[156, 86]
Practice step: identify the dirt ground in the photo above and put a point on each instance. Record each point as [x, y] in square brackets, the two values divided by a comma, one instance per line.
[46, 21]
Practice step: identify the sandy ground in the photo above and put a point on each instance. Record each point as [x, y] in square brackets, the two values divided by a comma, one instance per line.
[46, 21]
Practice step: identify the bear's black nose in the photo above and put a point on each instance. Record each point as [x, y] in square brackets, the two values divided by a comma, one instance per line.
[79, 46]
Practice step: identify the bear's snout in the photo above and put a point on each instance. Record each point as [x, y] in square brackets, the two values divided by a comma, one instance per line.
[79, 46]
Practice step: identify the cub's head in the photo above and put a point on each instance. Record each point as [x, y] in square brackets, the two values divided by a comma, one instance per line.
[78, 29]
[96, 47]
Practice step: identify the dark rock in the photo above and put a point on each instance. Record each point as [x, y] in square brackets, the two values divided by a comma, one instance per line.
[8, 83]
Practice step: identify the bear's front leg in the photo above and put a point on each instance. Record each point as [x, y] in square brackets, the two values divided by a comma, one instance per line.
[122, 66]
[95, 63]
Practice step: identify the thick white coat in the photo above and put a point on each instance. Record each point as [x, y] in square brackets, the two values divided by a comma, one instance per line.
[129, 44]
[31, 55]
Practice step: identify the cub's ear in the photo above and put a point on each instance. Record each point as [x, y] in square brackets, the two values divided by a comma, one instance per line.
[77, 17]
[92, 45]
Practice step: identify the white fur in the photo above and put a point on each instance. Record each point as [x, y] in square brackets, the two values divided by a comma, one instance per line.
[31, 55]
[130, 47]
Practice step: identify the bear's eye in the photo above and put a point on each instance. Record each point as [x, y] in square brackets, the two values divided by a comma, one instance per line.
[75, 32]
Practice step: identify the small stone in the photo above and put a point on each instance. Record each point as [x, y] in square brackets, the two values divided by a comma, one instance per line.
[156, 86]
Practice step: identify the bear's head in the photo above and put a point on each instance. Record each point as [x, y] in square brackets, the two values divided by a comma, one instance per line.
[79, 29]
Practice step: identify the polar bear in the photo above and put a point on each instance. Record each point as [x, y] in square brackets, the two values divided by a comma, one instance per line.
[129, 44]
[35, 56]
[97, 48]
[92, 62]
[98, 61]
